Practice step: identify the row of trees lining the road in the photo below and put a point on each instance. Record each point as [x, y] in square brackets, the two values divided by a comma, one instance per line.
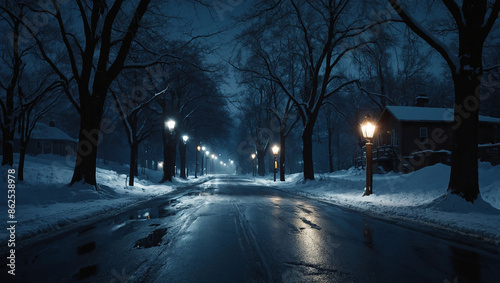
[94, 49]
[308, 48]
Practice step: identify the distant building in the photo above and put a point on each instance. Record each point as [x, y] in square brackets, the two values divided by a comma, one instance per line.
[47, 139]
[411, 137]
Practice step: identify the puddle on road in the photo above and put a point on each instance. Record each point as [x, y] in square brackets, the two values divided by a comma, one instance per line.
[87, 248]
[206, 192]
[154, 239]
[85, 272]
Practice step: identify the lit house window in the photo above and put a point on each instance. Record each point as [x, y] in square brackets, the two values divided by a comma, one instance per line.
[423, 134]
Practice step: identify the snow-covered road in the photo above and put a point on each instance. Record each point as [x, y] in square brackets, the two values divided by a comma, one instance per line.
[231, 230]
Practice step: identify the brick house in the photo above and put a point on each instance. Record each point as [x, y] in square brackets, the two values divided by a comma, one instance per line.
[411, 137]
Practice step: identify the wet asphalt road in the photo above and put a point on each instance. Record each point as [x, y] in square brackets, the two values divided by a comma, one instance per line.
[229, 230]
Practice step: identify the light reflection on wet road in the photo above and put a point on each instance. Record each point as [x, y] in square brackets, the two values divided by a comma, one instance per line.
[228, 230]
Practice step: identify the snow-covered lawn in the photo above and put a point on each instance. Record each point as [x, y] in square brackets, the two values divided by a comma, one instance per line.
[418, 197]
[45, 202]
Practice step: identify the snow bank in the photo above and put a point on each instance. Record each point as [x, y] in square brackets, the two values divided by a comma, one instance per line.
[45, 202]
[419, 197]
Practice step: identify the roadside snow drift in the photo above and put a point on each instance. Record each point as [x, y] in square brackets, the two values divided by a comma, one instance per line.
[45, 202]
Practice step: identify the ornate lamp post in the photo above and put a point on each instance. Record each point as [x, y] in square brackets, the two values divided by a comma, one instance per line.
[368, 129]
[168, 166]
[253, 164]
[275, 149]
[184, 174]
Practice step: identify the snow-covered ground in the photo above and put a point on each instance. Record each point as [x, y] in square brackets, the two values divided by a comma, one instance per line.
[45, 202]
[419, 197]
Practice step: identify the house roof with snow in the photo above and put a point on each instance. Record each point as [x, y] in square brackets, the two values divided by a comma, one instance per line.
[428, 114]
[45, 132]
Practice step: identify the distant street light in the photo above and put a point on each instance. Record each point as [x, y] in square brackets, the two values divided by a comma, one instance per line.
[168, 166]
[198, 149]
[170, 124]
[368, 129]
[253, 164]
[185, 138]
[275, 149]
[213, 156]
[202, 157]
[206, 161]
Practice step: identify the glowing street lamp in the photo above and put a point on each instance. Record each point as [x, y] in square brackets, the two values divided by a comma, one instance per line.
[368, 129]
[170, 124]
[168, 167]
[253, 165]
[185, 139]
[275, 149]
[213, 156]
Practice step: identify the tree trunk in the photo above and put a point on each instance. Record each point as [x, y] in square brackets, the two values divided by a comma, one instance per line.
[8, 146]
[307, 154]
[88, 139]
[330, 151]
[133, 163]
[464, 158]
[20, 167]
[174, 155]
[182, 154]
[261, 155]
[282, 156]
[338, 150]
[168, 159]
[136, 166]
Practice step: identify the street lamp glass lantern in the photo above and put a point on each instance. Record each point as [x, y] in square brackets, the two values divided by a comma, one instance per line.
[207, 153]
[213, 156]
[276, 149]
[170, 125]
[368, 128]
[203, 148]
[253, 155]
[198, 148]
[185, 138]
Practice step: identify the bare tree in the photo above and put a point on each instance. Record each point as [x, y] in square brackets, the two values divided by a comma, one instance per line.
[318, 35]
[472, 22]
[138, 125]
[10, 85]
[95, 61]
[32, 107]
